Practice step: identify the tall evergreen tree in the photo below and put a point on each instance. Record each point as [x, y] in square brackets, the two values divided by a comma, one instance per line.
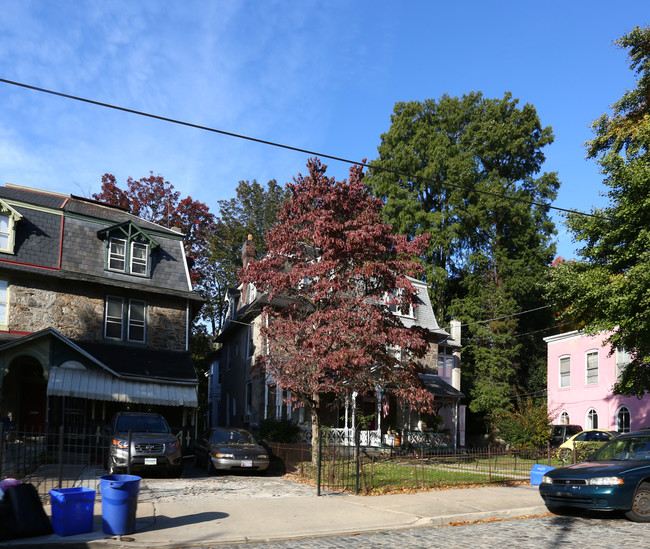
[466, 170]
[609, 289]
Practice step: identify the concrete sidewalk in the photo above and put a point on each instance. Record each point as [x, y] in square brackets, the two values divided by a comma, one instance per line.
[196, 523]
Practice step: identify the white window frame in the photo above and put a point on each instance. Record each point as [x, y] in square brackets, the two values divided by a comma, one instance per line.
[113, 255]
[588, 354]
[139, 324]
[4, 304]
[590, 416]
[623, 429]
[567, 376]
[114, 320]
[12, 216]
[392, 307]
[623, 359]
[565, 419]
[126, 321]
[137, 262]
[6, 232]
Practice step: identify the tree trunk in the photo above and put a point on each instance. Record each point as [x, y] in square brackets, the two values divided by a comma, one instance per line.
[315, 428]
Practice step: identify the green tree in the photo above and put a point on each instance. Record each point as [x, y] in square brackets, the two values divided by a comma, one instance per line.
[466, 170]
[251, 212]
[528, 426]
[609, 288]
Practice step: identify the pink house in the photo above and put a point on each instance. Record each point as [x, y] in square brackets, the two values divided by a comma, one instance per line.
[581, 374]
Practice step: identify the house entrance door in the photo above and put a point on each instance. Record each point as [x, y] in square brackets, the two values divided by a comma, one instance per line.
[24, 391]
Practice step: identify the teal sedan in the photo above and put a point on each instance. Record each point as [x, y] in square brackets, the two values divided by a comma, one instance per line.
[614, 478]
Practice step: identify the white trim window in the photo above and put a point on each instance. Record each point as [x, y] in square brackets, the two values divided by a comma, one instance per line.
[4, 302]
[623, 420]
[565, 372]
[591, 368]
[139, 258]
[137, 320]
[564, 418]
[445, 361]
[117, 254]
[121, 315]
[623, 359]
[390, 298]
[592, 419]
[5, 232]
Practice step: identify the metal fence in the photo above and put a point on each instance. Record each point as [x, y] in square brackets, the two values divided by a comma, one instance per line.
[364, 470]
[52, 460]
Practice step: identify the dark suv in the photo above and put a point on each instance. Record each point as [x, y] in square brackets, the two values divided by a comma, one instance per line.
[562, 433]
[153, 446]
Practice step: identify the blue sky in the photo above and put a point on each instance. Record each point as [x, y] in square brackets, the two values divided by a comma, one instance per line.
[318, 75]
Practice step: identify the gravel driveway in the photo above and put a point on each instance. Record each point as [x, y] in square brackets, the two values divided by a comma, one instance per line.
[196, 483]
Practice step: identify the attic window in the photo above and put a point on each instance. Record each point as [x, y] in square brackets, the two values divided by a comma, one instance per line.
[8, 219]
[128, 249]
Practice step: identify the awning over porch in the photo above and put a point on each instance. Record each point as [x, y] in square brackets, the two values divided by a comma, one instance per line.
[439, 387]
[95, 385]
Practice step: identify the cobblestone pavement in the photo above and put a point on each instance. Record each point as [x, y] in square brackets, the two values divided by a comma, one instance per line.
[195, 482]
[531, 533]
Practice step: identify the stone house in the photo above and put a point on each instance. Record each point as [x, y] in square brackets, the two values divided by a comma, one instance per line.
[244, 399]
[95, 312]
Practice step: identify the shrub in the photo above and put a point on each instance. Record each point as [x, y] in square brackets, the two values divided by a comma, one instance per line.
[279, 430]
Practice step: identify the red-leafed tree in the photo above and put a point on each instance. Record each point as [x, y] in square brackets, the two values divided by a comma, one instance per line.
[154, 199]
[331, 262]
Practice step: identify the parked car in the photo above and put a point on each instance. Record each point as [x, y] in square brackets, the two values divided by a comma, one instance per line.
[565, 451]
[153, 445]
[227, 449]
[562, 433]
[615, 477]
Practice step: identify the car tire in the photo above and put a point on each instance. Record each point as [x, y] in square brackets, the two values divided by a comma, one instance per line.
[640, 511]
[209, 466]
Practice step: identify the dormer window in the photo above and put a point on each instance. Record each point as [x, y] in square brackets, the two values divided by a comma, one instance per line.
[128, 249]
[8, 219]
[399, 309]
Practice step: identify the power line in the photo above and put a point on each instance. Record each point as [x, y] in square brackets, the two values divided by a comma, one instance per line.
[506, 316]
[288, 147]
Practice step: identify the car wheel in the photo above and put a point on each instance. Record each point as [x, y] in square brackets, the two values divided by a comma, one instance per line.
[209, 466]
[640, 511]
[111, 469]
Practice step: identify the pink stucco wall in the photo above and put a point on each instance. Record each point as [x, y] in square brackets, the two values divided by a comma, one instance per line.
[579, 398]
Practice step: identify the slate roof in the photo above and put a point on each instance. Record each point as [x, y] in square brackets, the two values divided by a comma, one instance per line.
[439, 387]
[81, 254]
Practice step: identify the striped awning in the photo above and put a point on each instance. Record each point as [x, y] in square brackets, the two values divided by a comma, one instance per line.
[94, 385]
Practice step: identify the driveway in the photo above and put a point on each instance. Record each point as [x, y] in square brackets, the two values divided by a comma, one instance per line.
[195, 482]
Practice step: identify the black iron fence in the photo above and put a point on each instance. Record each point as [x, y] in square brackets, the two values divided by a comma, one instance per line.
[364, 470]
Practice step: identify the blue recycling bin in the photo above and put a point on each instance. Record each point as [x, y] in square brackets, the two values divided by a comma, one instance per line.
[537, 472]
[119, 503]
[72, 510]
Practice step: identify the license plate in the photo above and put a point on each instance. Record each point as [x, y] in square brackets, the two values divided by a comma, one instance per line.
[247, 463]
[150, 461]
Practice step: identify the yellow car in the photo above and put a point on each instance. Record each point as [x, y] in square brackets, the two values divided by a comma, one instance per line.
[565, 451]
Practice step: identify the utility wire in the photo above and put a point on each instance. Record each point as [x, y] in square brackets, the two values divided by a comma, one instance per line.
[507, 316]
[288, 147]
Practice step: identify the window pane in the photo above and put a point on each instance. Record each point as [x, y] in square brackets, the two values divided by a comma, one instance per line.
[139, 257]
[137, 320]
[3, 313]
[565, 372]
[114, 318]
[592, 368]
[4, 224]
[116, 254]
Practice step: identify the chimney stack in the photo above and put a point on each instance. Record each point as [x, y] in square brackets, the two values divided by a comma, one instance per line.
[248, 251]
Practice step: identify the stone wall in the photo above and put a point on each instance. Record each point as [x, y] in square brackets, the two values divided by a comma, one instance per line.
[80, 315]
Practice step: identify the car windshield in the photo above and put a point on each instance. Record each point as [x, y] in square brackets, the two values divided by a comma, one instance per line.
[229, 436]
[142, 424]
[624, 448]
